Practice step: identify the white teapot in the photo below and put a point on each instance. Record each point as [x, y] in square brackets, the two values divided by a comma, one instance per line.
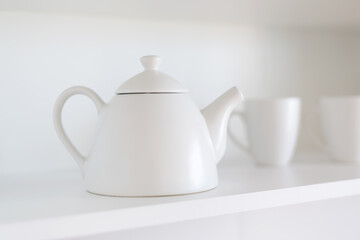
[152, 140]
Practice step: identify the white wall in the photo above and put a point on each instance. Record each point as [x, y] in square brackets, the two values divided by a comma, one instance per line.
[43, 54]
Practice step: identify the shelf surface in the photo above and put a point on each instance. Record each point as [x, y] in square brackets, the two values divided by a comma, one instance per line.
[55, 204]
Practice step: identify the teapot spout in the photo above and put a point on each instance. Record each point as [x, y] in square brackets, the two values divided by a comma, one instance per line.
[217, 116]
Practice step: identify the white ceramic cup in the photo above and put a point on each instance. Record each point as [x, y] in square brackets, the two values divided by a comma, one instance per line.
[340, 123]
[272, 127]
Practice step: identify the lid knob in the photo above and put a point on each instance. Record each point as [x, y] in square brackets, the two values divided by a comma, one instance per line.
[151, 62]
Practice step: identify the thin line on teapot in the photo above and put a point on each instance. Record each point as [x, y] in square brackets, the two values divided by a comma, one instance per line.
[150, 93]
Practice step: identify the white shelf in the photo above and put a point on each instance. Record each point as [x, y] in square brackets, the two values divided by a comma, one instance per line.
[55, 204]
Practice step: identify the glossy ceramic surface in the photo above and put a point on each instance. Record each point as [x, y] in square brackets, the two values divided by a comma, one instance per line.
[272, 126]
[152, 140]
[340, 121]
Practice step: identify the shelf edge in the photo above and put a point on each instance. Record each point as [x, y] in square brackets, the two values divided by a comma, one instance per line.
[145, 216]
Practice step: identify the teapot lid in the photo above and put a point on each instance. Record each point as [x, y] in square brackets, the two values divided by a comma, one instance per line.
[151, 80]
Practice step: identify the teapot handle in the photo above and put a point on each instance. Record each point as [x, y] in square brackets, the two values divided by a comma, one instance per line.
[64, 96]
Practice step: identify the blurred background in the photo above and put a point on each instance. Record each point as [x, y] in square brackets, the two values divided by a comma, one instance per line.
[278, 49]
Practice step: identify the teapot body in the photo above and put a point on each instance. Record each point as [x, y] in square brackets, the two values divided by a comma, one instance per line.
[151, 145]
[151, 139]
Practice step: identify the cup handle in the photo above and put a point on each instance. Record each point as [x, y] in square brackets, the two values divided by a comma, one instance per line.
[318, 140]
[241, 116]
